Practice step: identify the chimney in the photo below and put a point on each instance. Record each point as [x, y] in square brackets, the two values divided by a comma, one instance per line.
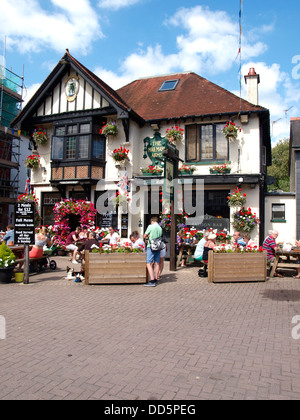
[252, 81]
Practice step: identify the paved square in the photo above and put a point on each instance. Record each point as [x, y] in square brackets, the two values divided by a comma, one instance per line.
[183, 340]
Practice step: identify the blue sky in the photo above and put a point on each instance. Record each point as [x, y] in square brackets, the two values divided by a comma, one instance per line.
[123, 40]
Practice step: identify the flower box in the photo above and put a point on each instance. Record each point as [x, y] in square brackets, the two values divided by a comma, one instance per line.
[152, 171]
[115, 268]
[237, 267]
[220, 170]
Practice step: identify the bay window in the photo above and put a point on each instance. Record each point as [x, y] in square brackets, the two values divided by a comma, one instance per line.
[77, 141]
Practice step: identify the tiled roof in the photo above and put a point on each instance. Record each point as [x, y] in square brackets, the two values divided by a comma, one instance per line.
[194, 96]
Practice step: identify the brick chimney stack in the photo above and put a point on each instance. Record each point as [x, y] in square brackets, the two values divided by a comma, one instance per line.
[252, 81]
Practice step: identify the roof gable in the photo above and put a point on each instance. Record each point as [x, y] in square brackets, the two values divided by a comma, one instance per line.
[193, 96]
[45, 100]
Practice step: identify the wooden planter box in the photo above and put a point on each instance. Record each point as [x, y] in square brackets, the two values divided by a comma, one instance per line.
[115, 268]
[234, 267]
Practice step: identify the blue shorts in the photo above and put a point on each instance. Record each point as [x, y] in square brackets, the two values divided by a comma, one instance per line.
[152, 256]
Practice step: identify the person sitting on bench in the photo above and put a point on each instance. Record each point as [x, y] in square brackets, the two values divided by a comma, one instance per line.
[37, 250]
[9, 237]
[41, 239]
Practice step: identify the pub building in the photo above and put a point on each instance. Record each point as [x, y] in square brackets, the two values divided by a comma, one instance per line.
[73, 105]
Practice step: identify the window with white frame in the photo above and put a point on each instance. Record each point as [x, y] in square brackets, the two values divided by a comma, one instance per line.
[278, 212]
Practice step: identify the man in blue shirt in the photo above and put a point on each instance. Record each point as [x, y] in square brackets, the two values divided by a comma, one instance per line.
[237, 239]
[9, 237]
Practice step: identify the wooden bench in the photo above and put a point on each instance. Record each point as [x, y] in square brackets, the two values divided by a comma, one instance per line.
[31, 260]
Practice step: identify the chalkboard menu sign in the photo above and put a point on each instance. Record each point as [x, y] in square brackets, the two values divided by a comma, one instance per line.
[24, 223]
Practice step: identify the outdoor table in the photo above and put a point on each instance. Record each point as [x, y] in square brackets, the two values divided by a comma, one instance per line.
[287, 262]
[18, 250]
[190, 248]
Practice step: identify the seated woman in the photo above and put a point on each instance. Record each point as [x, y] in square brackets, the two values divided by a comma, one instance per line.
[210, 245]
[198, 255]
[248, 241]
[41, 239]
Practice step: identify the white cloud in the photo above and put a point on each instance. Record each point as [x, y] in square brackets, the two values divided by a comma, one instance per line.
[202, 46]
[29, 28]
[29, 92]
[116, 4]
[210, 43]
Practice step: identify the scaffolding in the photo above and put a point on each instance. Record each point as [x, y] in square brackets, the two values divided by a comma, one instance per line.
[11, 92]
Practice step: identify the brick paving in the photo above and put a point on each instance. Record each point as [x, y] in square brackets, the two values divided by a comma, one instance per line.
[183, 340]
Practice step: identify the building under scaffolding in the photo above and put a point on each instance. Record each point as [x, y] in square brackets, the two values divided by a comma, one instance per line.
[11, 91]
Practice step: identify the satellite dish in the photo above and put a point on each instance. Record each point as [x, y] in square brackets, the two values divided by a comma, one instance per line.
[270, 180]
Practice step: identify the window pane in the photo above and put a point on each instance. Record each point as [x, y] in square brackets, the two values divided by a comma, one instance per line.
[221, 143]
[60, 131]
[84, 128]
[207, 142]
[57, 148]
[191, 142]
[278, 211]
[71, 148]
[98, 148]
[83, 145]
[72, 129]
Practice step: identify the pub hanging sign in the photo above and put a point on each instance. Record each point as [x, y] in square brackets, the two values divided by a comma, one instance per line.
[154, 147]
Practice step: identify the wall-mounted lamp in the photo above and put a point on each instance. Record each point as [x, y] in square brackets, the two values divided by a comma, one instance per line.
[155, 127]
[244, 119]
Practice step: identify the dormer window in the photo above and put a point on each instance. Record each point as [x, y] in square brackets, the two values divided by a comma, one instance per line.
[169, 85]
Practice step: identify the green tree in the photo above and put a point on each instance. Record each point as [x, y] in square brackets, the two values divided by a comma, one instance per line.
[280, 166]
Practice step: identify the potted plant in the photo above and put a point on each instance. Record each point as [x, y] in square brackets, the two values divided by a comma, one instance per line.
[220, 169]
[174, 134]
[236, 199]
[152, 170]
[231, 130]
[40, 136]
[120, 155]
[186, 170]
[32, 161]
[109, 129]
[223, 236]
[7, 263]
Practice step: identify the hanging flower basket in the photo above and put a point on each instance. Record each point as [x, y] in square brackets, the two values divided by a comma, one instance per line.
[231, 130]
[32, 161]
[244, 220]
[120, 155]
[220, 169]
[119, 199]
[39, 136]
[236, 199]
[174, 134]
[109, 129]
